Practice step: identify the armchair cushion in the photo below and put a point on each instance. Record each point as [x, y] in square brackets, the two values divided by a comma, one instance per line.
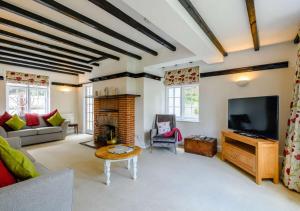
[161, 139]
[163, 127]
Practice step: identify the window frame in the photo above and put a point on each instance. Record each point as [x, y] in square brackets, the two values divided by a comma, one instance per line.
[27, 88]
[181, 118]
[86, 112]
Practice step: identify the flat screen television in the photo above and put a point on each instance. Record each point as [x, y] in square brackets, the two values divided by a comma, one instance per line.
[257, 116]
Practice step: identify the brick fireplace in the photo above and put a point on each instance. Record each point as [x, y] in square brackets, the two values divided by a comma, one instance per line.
[117, 111]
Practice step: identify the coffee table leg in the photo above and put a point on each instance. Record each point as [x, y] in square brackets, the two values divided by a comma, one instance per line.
[128, 163]
[107, 171]
[134, 161]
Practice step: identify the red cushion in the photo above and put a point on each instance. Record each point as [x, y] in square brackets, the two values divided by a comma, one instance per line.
[6, 178]
[32, 119]
[47, 116]
[4, 118]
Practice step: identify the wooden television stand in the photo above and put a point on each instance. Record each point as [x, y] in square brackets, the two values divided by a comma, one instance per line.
[258, 157]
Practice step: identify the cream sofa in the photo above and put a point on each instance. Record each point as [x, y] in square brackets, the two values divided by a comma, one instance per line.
[38, 134]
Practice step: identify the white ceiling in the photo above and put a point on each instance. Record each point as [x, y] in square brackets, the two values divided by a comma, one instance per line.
[277, 20]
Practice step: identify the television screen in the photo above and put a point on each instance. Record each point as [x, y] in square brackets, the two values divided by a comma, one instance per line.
[255, 115]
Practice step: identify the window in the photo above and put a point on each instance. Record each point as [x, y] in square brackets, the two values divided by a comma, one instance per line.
[89, 109]
[23, 98]
[183, 101]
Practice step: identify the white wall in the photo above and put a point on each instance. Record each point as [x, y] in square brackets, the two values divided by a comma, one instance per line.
[215, 91]
[154, 103]
[62, 98]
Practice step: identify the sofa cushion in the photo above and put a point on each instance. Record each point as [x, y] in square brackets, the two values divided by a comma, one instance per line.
[56, 119]
[22, 133]
[42, 123]
[49, 115]
[6, 178]
[32, 119]
[16, 123]
[17, 162]
[47, 130]
[4, 118]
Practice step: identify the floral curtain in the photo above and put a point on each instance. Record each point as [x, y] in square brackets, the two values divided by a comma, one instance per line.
[291, 163]
[182, 76]
[25, 78]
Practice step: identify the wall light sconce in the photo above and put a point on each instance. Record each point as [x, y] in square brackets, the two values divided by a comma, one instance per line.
[243, 81]
[65, 89]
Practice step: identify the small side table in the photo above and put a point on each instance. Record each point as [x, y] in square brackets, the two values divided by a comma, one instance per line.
[75, 126]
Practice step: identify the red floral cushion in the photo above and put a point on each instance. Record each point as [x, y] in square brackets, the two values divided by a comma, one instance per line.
[6, 178]
[32, 119]
[47, 116]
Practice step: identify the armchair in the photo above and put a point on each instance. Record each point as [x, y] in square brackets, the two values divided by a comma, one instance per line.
[157, 140]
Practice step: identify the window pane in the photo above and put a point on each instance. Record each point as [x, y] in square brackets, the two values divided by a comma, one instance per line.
[177, 92]
[177, 102]
[191, 102]
[171, 102]
[171, 110]
[38, 100]
[177, 111]
[89, 107]
[17, 100]
[171, 92]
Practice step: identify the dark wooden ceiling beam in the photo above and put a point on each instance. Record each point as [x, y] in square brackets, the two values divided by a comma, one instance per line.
[271, 66]
[8, 42]
[55, 47]
[27, 53]
[47, 22]
[252, 21]
[86, 20]
[36, 67]
[297, 39]
[108, 7]
[187, 4]
[97, 60]
[56, 38]
[65, 84]
[38, 64]
[18, 56]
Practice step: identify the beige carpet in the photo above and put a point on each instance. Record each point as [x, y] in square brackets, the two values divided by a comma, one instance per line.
[165, 182]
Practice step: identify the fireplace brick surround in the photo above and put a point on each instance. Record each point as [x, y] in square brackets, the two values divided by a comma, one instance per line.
[118, 110]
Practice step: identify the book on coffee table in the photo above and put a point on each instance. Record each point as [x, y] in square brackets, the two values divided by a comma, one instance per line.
[120, 149]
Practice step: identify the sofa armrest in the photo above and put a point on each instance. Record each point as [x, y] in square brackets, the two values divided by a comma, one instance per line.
[14, 142]
[3, 132]
[64, 127]
[49, 192]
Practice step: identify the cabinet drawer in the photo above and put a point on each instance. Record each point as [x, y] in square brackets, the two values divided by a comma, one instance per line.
[241, 158]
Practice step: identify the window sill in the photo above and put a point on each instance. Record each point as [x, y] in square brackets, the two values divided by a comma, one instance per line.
[188, 121]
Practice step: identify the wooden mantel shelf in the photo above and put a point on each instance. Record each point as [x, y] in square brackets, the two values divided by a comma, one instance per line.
[116, 96]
